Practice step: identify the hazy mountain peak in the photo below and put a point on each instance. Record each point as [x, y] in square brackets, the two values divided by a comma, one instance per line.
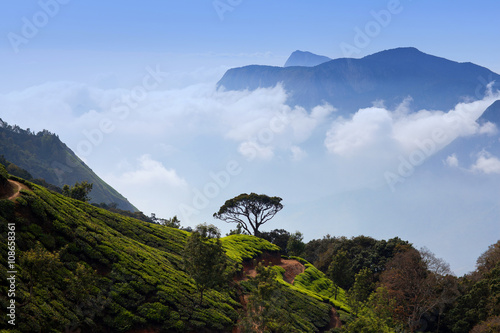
[305, 58]
[433, 82]
[492, 113]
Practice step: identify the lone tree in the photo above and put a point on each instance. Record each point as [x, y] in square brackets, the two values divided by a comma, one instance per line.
[249, 210]
[205, 259]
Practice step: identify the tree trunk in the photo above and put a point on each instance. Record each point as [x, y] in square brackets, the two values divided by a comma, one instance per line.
[201, 297]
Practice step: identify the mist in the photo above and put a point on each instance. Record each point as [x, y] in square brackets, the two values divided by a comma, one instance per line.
[184, 151]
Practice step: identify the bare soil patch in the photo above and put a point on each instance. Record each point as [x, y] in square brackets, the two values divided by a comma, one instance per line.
[292, 269]
[12, 190]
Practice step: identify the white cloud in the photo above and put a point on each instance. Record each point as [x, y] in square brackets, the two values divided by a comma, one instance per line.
[433, 130]
[172, 142]
[252, 150]
[262, 121]
[367, 126]
[488, 128]
[452, 161]
[297, 153]
[148, 184]
[486, 163]
[151, 172]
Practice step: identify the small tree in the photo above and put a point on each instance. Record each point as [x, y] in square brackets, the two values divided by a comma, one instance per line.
[264, 310]
[172, 222]
[295, 246]
[361, 290]
[79, 191]
[278, 237]
[237, 231]
[4, 176]
[249, 210]
[205, 259]
[339, 271]
[38, 267]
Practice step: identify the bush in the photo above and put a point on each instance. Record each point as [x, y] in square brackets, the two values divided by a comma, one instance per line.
[4, 175]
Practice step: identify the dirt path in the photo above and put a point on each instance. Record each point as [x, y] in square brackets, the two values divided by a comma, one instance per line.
[292, 269]
[15, 190]
[335, 321]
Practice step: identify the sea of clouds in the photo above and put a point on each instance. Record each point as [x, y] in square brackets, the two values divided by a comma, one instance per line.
[184, 151]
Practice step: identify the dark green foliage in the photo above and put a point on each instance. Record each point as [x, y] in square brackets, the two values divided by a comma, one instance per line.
[375, 316]
[295, 246]
[205, 259]
[317, 248]
[339, 271]
[14, 170]
[172, 222]
[264, 313]
[43, 156]
[250, 211]
[237, 231]
[79, 191]
[361, 251]
[4, 175]
[361, 290]
[279, 237]
[480, 296]
[113, 207]
[87, 268]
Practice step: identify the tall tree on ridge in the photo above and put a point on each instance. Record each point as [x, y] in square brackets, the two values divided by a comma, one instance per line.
[249, 210]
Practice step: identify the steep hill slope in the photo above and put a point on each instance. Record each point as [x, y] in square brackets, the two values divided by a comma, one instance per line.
[391, 76]
[80, 267]
[44, 156]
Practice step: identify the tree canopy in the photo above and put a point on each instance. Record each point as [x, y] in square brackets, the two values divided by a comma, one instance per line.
[205, 259]
[249, 210]
[80, 191]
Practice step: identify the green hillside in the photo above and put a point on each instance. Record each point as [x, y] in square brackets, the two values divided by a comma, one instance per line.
[82, 267]
[44, 156]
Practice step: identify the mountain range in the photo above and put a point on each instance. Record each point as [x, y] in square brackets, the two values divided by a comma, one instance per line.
[349, 84]
[78, 267]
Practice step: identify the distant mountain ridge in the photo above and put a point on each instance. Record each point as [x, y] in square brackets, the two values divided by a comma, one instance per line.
[305, 58]
[350, 84]
[44, 156]
[492, 114]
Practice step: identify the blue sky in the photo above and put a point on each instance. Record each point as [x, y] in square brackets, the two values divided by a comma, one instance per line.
[66, 63]
[263, 32]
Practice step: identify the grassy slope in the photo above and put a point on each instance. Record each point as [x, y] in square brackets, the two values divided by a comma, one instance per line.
[140, 280]
[315, 283]
[115, 273]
